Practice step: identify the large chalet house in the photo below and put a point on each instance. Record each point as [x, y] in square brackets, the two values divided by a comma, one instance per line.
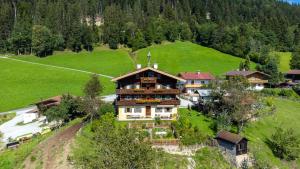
[147, 93]
[256, 79]
[195, 80]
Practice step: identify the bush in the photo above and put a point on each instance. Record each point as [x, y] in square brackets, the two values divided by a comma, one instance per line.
[106, 108]
[289, 93]
[286, 93]
[285, 144]
[296, 89]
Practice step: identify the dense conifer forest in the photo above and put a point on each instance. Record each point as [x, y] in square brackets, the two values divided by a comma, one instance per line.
[239, 27]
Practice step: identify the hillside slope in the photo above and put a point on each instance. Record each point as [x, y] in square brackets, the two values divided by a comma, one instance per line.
[186, 56]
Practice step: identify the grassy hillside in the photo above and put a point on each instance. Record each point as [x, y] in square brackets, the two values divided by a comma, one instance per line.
[285, 58]
[101, 60]
[286, 116]
[23, 83]
[186, 56]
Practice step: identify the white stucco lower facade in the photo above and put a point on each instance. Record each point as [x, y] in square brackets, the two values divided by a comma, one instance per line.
[165, 112]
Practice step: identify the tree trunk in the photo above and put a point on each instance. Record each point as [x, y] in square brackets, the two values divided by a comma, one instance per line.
[15, 11]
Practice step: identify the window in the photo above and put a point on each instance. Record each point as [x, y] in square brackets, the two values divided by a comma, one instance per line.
[192, 82]
[128, 87]
[128, 97]
[128, 110]
[138, 110]
[203, 82]
[158, 110]
[168, 109]
[137, 86]
[150, 74]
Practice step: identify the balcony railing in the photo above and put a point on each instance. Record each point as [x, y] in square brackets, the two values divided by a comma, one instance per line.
[148, 91]
[148, 79]
[147, 102]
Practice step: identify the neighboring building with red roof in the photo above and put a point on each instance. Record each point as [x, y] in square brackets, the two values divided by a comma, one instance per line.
[293, 75]
[256, 79]
[195, 80]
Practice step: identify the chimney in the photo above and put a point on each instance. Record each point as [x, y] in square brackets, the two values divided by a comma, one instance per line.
[155, 66]
[198, 72]
[138, 66]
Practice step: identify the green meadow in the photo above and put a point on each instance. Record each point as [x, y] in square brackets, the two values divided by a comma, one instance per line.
[24, 83]
[186, 56]
[285, 58]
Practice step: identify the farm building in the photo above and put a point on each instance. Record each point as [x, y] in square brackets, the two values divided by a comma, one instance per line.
[234, 146]
[195, 81]
[293, 76]
[256, 79]
[147, 93]
[47, 103]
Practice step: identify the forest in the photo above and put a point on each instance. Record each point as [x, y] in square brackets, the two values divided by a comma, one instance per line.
[240, 27]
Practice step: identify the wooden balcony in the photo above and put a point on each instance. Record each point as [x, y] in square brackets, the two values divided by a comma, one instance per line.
[148, 91]
[148, 79]
[147, 102]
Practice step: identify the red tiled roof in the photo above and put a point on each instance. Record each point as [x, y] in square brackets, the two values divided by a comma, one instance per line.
[196, 76]
[231, 137]
[294, 72]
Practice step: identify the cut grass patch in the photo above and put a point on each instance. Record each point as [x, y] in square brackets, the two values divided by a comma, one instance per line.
[285, 58]
[199, 120]
[23, 84]
[186, 56]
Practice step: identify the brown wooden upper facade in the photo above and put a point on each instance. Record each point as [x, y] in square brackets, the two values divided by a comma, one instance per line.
[254, 77]
[147, 86]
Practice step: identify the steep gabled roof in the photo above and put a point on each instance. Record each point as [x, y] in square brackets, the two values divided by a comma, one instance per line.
[294, 72]
[244, 73]
[196, 76]
[230, 137]
[145, 69]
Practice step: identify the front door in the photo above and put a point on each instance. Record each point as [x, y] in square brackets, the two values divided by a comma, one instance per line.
[148, 110]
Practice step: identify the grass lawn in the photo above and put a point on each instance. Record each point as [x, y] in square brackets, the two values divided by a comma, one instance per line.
[101, 60]
[285, 58]
[186, 56]
[23, 84]
[287, 116]
[199, 120]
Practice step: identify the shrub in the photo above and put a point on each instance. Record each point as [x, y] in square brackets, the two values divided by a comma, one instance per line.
[285, 144]
[286, 93]
[106, 108]
[296, 89]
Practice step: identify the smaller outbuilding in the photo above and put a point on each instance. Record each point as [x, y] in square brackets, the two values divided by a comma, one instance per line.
[232, 143]
[47, 103]
[234, 146]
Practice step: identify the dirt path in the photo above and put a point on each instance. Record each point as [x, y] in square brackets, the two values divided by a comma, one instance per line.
[54, 152]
